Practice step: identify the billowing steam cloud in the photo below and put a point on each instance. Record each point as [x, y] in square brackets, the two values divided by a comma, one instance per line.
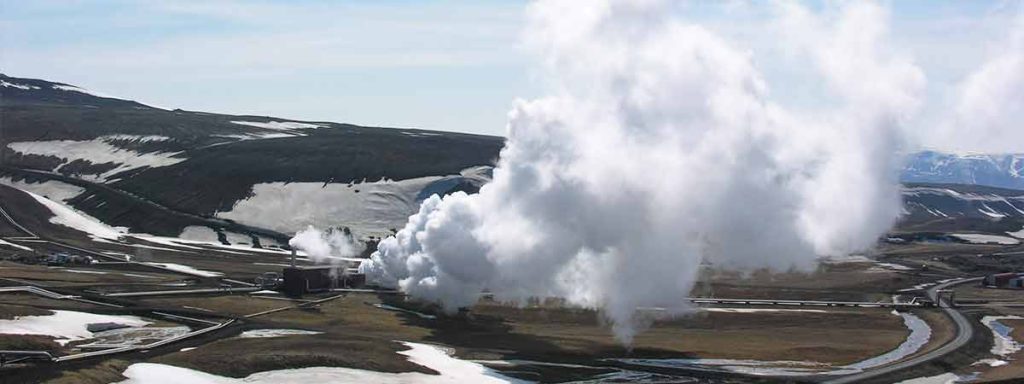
[989, 111]
[326, 246]
[659, 149]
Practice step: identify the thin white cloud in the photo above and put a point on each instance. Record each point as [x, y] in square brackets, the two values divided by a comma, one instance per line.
[133, 48]
[278, 35]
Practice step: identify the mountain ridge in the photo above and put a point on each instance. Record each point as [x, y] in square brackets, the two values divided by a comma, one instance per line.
[206, 164]
[994, 170]
[251, 169]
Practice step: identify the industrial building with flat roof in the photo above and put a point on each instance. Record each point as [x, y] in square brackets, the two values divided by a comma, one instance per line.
[300, 280]
[1011, 280]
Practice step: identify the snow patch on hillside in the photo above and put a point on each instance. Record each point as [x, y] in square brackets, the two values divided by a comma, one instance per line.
[69, 217]
[72, 88]
[240, 239]
[988, 211]
[420, 134]
[259, 135]
[98, 231]
[948, 203]
[1019, 234]
[975, 238]
[946, 192]
[206, 245]
[51, 189]
[265, 333]
[96, 151]
[126, 337]
[185, 269]
[136, 138]
[372, 208]
[278, 125]
[450, 371]
[895, 267]
[198, 233]
[19, 86]
[65, 326]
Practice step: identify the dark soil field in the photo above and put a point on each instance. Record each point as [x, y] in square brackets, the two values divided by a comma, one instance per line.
[358, 334]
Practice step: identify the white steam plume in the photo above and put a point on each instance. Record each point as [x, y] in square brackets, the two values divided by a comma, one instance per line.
[660, 148]
[989, 112]
[326, 246]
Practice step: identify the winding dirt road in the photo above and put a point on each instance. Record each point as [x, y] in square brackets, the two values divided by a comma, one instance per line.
[964, 332]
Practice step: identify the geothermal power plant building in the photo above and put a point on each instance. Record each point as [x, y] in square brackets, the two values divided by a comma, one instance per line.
[1013, 280]
[300, 280]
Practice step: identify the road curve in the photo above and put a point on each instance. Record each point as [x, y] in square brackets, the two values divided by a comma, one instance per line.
[964, 332]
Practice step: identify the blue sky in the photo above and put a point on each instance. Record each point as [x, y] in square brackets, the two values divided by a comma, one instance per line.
[443, 65]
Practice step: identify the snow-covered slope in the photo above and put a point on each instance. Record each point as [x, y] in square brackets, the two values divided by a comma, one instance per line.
[53, 190]
[950, 201]
[1003, 171]
[368, 208]
[68, 217]
[161, 171]
[20, 91]
[958, 207]
[102, 151]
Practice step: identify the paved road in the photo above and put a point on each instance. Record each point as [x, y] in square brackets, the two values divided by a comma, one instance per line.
[964, 332]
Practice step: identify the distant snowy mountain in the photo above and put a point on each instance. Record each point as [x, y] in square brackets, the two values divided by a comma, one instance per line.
[947, 207]
[1003, 171]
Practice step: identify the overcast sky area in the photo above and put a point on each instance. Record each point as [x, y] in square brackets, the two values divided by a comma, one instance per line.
[454, 66]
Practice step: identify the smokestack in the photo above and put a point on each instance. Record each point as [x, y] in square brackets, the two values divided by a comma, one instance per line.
[293, 257]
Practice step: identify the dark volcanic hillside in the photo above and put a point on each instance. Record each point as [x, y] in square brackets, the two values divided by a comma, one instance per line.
[953, 207]
[162, 172]
[203, 164]
[35, 92]
[224, 174]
